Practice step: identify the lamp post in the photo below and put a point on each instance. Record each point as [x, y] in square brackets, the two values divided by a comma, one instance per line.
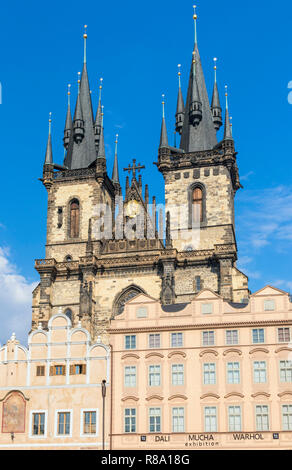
[103, 393]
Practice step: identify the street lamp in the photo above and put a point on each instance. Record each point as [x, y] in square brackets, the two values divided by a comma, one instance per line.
[103, 393]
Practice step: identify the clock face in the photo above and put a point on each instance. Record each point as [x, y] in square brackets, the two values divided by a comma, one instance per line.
[132, 209]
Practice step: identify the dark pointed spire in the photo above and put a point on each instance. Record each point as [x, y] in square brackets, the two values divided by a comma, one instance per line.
[101, 148]
[49, 153]
[195, 112]
[215, 106]
[115, 177]
[78, 123]
[227, 126]
[82, 154]
[97, 124]
[68, 123]
[163, 134]
[180, 107]
[202, 136]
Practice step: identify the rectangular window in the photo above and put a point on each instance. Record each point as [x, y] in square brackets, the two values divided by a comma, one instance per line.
[176, 340]
[234, 418]
[58, 370]
[155, 420]
[262, 418]
[208, 338]
[287, 417]
[178, 419]
[130, 342]
[207, 309]
[210, 419]
[63, 423]
[177, 374]
[130, 376]
[89, 422]
[260, 372]
[258, 335]
[233, 373]
[154, 376]
[231, 337]
[284, 335]
[269, 305]
[209, 373]
[38, 424]
[154, 341]
[285, 371]
[78, 369]
[130, 420]
[40, 371]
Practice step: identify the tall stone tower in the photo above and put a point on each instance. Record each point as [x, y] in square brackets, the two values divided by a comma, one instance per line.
[102, 248]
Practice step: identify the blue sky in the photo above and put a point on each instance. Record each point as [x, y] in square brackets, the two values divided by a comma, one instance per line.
[135, 47]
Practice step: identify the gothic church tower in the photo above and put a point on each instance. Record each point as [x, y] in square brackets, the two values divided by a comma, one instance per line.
[102, 249]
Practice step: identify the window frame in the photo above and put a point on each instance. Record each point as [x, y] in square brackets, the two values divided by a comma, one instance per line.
[89, 410]
[261, 415]
[65, 411]
[178, 416]
[178, 374]
[258, 335]
[211, 430]
[176, 335]
[155, 336]
[155, 423]
[130, 418]
[130, 375]
[154, 375]
[31, 424]
[125, 342]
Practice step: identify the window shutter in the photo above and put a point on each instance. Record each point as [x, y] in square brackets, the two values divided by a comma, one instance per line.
[71, 370]
[84, 369]
[52, 370]
[64, 370]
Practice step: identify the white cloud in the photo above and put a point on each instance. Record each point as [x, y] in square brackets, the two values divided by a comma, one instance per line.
[15, 300]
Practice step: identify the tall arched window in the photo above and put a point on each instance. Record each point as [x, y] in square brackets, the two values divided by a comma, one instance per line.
[74, 218]
[197, 203]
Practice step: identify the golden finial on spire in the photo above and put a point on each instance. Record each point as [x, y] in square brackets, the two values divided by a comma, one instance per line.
[215, 67]
[85, 31]
[226, 94]
[117, 136]
[195, 17]
[163, 103]
[69, 93]
[85, 37]
[50, 122]
[179, 74]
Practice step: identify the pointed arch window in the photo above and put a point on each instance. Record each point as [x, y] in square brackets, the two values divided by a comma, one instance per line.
[197, 202]
[74, 218]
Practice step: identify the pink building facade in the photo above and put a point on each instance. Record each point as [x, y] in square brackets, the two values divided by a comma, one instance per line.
[205, 375]
[51, 392]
